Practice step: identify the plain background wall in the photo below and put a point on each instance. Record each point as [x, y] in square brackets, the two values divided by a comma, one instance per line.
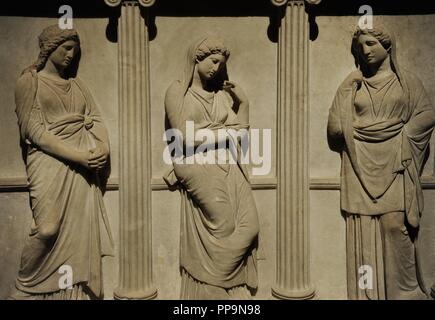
[253, 64]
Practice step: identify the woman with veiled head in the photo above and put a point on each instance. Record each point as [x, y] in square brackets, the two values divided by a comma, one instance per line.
[381, 121]
[66, 149]
[219, 222]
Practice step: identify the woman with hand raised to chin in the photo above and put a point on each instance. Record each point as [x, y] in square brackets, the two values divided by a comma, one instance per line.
[219, 222]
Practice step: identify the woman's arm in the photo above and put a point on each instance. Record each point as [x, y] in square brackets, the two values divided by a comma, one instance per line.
[334, 129]
[31, 125]
[419, 128]
[240, 99]
[335, 133]
[178, 118]
[99, 155]
[422, 120]
[52, 145]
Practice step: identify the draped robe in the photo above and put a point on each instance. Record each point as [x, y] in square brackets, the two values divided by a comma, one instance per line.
[69, 226]
[385, 137]
[219, 222]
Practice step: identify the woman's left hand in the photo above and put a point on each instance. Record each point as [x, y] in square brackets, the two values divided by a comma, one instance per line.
[236, 91]
[98, 158]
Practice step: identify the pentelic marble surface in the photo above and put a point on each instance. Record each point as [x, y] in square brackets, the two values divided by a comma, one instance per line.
[277, 150]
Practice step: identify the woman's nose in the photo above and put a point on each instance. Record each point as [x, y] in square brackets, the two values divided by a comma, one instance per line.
[366, 50]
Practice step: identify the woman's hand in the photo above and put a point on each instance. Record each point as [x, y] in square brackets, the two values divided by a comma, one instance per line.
[235, 91]
[241, 107]
[98, 158]
[82, 158]
[355, 77]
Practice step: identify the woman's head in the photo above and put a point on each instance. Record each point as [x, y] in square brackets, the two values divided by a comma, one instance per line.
[60, 46]
[211, 56]
[371, 46]
[64, 54]
[208, 57]
[209, 46]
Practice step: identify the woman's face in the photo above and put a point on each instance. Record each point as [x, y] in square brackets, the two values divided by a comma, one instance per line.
[64, 54]
[211, 66]
[371, 50]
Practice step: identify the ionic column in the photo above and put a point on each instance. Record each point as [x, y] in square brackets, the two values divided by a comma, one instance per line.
[135, 249]
[293, 256]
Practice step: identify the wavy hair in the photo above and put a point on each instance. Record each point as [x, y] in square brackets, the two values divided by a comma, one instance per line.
[387, 39]
[49, 40]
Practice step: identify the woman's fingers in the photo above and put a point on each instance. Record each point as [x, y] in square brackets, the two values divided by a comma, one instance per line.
[96, 153]
[229, 84]
[97, 156]
[97, 166]
[102, 158]
[97, 162]
[97, 159]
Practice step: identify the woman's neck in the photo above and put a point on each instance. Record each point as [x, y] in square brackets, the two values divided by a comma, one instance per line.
[199, 83]
[379, 69]
[51, 71]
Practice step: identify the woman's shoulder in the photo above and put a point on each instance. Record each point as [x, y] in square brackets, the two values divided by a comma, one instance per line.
[174, 87]
[354, 77]
[82, 86]
[80, 83]
[27, 76]
[411, 78]
[173, 93]
[226, 96]
[25, 81]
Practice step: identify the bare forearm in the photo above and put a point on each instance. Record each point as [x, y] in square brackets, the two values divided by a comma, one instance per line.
[243, 113]
[55, 147]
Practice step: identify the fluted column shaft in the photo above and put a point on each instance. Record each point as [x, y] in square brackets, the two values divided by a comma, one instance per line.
[293, 260]
[135, 248]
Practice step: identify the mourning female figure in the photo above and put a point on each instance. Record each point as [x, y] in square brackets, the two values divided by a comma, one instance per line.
[66, 149]
[381, 121]
[219, 222]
